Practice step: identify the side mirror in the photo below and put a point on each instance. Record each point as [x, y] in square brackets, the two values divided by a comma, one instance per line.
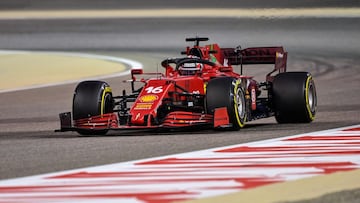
[136, 71]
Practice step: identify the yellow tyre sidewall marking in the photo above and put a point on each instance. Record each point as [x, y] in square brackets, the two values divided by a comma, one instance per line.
[311, 116]
[106, 90]
[240, 122]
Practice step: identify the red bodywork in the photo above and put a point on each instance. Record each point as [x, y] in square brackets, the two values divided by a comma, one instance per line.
[184, 94]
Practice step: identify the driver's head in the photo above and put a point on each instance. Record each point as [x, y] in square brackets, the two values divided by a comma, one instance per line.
[190, 68]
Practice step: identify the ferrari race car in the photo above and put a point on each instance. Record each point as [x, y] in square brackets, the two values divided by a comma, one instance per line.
[199, 89]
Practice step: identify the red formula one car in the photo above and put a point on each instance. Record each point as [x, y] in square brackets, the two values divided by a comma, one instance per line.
[200, 89]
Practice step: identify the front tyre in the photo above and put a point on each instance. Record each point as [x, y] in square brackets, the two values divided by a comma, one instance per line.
[227, 92]
[294, 97]
[92, 98]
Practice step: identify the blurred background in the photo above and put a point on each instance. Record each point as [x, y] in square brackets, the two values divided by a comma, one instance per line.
[321, 36]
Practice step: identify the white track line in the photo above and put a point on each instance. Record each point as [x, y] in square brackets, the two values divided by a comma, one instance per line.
[184, 13]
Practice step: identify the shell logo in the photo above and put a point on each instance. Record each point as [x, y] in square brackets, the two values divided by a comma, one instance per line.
[148, 98]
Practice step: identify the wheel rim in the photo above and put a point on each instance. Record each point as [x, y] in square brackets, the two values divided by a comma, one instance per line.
[106, 101]
[312, 97]
[240, 103]
[108, 107]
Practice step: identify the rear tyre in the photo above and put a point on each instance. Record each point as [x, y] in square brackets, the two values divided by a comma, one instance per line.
[92, 98]
[294, 97]
[227, 92]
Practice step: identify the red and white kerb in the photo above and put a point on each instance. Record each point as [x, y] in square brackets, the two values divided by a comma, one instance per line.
[196, 174]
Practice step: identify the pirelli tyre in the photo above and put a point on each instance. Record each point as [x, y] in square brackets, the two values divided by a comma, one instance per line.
[92, 98]
[227, 92]
[294, 97]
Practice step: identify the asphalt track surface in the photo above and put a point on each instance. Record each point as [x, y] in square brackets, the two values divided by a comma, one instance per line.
[327, 47]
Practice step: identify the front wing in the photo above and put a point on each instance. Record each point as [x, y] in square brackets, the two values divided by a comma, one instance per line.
[177, 119]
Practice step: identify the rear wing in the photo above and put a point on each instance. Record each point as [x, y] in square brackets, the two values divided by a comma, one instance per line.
[257, 55]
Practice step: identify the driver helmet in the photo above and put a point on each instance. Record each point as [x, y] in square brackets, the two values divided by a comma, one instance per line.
[190, 68]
